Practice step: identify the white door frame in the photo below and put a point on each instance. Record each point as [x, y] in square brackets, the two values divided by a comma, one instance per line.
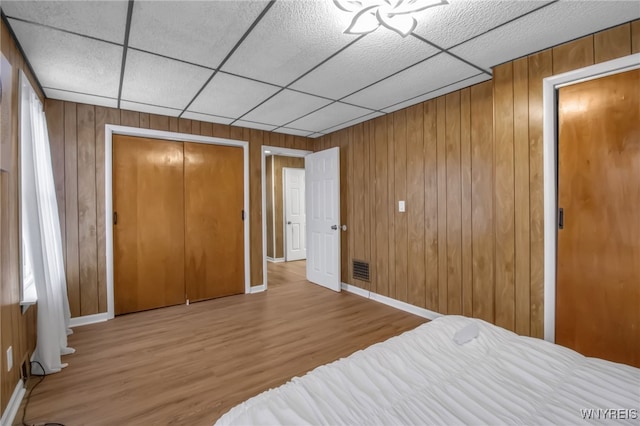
[111, 130]
[550, 146]
[283, 152]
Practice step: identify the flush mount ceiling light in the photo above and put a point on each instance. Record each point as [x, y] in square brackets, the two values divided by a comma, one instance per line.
[395, 15]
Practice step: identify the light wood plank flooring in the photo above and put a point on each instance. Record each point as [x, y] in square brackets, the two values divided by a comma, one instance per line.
[191, 364]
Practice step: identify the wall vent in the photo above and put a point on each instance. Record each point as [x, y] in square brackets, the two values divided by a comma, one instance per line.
[361, 270]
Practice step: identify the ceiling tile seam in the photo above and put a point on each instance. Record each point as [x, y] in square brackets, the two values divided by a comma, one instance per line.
[304, 74]
[452, 54]
[127, 30]
[231, 52]
[152, 105]
[390, 75]
[171, 58]
[328, 129]
[431, 91]
[503, 24]
[80, 93]
[26, 21]
[305, 115]
[21, 50]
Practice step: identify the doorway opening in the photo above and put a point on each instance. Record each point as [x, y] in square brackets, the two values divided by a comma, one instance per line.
[282, 242]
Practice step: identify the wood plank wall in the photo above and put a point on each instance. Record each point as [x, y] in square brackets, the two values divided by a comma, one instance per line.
[17, 330]
[469, 166]
[76, 132]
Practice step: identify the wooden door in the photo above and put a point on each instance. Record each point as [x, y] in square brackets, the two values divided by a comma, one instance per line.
[598, 281]
[149, 234]
[214, 202]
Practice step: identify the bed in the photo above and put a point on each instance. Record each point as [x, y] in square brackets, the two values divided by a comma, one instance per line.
[453, 370]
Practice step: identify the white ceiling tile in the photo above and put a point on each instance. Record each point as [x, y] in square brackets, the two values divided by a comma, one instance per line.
[68, 62]
[370, 59]
[253, 125]
[552, 25]
[352, 122]
[82, 98]
[201, 32]
[160, 81]
[439, 92]
[102, 19]
[329, 116]
[285, 107]
[208, 118]
[429, 75]
[295, 132]
[231, 96]
[461, 20]
[151, 109]
[292, 38]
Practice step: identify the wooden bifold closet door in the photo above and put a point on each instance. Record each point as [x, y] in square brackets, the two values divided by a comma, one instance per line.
[179, 233]
[148, 234]
[598, 278]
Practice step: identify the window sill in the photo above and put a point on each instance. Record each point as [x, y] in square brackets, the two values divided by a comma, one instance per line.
[29, 298]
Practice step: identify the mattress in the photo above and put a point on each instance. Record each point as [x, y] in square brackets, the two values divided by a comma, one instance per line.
[425, 377]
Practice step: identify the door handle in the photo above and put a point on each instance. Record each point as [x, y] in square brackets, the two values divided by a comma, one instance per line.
[334, 227]
[289, 223]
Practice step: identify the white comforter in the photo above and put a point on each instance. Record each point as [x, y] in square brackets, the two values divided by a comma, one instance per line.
[424, 377]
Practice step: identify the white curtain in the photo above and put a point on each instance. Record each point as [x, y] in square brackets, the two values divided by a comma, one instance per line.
[41, 235]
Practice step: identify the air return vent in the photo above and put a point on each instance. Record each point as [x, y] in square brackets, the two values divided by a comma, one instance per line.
[361, 270]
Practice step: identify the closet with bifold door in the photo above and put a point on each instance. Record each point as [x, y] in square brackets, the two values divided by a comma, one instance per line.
[178, 231]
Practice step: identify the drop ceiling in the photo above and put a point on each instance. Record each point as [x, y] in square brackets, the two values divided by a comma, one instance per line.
[284, 66]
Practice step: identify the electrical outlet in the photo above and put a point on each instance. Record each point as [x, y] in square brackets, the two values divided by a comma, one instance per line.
[10, 358]
[401, 206]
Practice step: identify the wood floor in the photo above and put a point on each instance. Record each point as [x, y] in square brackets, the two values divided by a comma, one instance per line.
[191, 364]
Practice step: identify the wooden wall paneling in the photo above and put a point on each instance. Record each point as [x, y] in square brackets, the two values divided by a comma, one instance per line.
[144, 120]
[104, 116]
[55, 110]
[391, 204]
[195, 127]
[441, 164]
[372, 176]
[131, 118]
[173, 124]
[482, 195]
[612, 43]
[415, 207]
[255, 203]
[159, 122]
[573, 55]
[540, 66]
[381, 206]
[206, 129]
[222, 131]
[87, 217]
[635, 37]
[504, 197]
[359, 206]
[184, 125]
[351, 188]
[454, 204]
[346, 206]
[400, 181]
[521, 196]
[71, 208]
[430, 135]
[367, 197]
[465, 176]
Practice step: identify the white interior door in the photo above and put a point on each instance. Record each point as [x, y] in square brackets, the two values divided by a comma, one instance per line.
[323, 221]
[295, 219]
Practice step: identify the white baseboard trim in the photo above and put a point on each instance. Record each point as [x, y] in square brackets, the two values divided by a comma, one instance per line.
[403, 306]
[275, 260]
[88, 319]
[13, 406]
[257, 288]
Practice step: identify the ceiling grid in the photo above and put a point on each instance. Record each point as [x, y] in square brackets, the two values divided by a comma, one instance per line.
[283, 66]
